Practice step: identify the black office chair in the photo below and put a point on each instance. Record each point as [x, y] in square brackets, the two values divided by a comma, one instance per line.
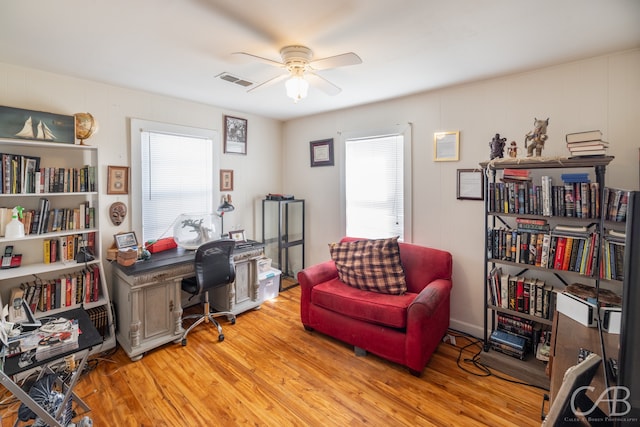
[214, 268]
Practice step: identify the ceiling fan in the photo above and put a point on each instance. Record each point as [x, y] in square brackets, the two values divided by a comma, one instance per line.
[301, 70]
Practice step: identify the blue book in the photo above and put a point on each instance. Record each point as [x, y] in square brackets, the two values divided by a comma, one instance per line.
[503, 337]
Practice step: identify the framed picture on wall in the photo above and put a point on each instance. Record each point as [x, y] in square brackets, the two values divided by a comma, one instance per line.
[235, 135]
[226, 180]
[470, 184]
[446, 146]
[321, 152]
[118, 180]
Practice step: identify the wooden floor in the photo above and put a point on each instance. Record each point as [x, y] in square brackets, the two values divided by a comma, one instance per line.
[269, 371]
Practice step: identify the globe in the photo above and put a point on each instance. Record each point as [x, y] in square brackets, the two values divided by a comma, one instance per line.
[86, 126]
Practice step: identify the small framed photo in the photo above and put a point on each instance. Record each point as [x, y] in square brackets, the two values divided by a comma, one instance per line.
[126, 240]
[446, 146]
[235, 135]
[226, 180]
[237, 235]
[321, 152]
[118, 180]
[470, 184]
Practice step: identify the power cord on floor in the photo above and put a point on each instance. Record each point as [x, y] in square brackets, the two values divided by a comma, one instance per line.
[484, 370]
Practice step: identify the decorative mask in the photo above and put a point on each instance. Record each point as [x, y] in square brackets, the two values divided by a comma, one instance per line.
[117, 212]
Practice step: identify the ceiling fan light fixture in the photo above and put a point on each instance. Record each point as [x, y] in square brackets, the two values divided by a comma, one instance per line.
[297, 87]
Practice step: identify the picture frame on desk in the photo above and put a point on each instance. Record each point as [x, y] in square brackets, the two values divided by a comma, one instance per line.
[126, 240]
[117, 180]
[238, 236]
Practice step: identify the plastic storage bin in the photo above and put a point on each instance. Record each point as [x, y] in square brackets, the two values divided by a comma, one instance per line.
[264, 265]
[269, 284]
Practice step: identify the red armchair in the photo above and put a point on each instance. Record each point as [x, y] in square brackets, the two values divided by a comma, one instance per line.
[404, 329]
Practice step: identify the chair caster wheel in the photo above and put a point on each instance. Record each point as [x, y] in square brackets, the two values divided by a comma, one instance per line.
[221, 337]
[184, 342]
[233, 321]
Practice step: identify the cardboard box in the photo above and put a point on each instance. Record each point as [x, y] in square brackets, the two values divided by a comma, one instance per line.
[578, 309]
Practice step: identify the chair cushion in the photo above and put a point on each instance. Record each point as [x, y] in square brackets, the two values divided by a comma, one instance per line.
[372, 307]
[371, 265]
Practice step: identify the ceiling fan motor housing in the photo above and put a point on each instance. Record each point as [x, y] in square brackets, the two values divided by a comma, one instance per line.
[296, 58]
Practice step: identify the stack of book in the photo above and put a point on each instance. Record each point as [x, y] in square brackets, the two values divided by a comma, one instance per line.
[507, 343]
[587, 143]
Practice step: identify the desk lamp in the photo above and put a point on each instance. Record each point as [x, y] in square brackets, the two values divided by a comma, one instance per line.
[225, 206]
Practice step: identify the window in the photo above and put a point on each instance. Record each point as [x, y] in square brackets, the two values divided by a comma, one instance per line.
[375, 187]
[178, 174]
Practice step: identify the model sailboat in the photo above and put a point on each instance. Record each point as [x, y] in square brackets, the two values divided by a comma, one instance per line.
[42, 131]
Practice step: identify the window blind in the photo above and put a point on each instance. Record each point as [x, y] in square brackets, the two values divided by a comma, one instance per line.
[177, 177]
[374, 188]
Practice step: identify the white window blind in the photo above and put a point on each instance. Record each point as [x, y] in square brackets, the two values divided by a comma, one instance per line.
[374, 187]
[177, 177]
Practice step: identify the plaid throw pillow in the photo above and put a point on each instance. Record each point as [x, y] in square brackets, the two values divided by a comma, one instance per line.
[372, 265]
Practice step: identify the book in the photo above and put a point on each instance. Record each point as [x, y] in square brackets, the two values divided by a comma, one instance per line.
[597, 143]
[590, 135]
[577, 149]
[596, 152]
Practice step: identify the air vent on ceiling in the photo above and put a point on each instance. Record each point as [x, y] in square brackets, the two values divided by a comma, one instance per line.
[236, 80]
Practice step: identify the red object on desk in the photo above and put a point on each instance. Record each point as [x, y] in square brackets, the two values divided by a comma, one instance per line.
[162, 245]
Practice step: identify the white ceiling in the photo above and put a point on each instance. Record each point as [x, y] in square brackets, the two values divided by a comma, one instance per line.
[178, 47]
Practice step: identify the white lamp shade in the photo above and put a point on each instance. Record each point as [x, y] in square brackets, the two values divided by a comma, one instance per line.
[297, 88]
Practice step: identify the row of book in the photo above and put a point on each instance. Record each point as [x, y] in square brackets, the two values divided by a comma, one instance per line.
[522, 294]
[612, 266]
[587, 143]
[82, 286]
[100, 319]
[65, 248]
[23, 175]
[557, 249]
[45, 219]
[616, 203]
[578, 200]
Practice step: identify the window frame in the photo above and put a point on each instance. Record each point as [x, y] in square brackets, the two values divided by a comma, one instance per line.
[137, 127]
[406, 132]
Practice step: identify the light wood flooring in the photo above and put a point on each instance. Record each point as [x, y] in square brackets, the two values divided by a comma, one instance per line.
[269, 371]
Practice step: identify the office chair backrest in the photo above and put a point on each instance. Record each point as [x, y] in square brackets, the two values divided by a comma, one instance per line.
[214, 264]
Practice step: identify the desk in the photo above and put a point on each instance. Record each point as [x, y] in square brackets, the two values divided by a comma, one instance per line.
[149, 298]
[88, 339]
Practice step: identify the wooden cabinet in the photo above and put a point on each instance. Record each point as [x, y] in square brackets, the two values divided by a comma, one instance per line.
[148, 303]
[64, 176]
[500, 215]
[242, 294]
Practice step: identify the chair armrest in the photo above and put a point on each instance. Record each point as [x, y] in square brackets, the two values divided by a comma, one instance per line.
[429, 300]
[316, 274]
[308, 278]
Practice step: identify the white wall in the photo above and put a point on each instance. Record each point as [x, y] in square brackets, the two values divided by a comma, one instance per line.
[255, 174]
[600, 93]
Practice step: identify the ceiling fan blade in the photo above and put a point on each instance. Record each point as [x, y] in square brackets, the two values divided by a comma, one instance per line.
[341, 60]
[261, 59]
[323, 84]
[269, 82]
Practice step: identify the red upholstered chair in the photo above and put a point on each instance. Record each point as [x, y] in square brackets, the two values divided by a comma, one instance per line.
[405, 329]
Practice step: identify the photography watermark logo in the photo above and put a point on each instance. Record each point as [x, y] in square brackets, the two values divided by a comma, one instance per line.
[617, 398]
